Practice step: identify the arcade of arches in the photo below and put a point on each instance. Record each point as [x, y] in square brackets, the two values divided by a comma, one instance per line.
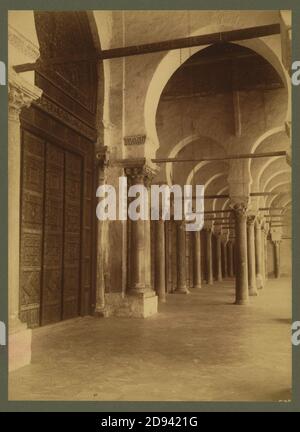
[86, 114]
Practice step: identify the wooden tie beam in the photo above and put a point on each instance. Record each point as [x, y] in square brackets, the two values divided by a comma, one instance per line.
[149, 48]
[220, 159]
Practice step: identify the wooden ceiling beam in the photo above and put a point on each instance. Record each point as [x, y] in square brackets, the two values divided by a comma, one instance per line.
[149, 48]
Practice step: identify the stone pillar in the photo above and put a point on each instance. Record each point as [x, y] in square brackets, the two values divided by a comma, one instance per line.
[21, 94]
[266, 252]
[225, 260]
[219, 258]
[258, 254]
[169, 239]
[197, 260]
[160, 260]
[209, 267]
[181, 259]
[241, 284]
[141, 300]
[174, 256]
[188, 259]
[263, 254]
[251, 256]
[277, 258]
[230, 258]
[234, 258]
[102, 235]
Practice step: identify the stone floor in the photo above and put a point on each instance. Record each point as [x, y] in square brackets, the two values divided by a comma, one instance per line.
[199, 347]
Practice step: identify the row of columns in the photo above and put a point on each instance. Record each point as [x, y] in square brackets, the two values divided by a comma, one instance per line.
[224, 252]
[245, 258]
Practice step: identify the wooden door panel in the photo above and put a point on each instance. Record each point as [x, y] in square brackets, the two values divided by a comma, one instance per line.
[53, 236]
[72, 239]
[31, 228]
[55, 257]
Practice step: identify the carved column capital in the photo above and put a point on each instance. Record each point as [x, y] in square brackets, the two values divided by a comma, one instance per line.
[251, 220]
[139, 171]
[240, 211]
[20, 94]
[102, 157]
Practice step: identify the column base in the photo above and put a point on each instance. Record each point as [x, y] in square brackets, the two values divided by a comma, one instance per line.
[242, 302]
[181, 290]
[253, 292]
[259, 281]
[141, 305]
[162, 299]
[19, 345]
[197, 286]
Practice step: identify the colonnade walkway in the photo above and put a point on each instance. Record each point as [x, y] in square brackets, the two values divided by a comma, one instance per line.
[200, 347]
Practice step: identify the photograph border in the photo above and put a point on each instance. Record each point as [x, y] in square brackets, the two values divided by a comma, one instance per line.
[123, 406]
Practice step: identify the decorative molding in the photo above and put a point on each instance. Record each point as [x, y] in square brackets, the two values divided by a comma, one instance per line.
[61, 83]
[20, 94]
[22, 44]
[135, 140]
[64, 116]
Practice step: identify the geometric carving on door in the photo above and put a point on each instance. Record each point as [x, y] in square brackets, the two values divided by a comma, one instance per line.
[53, 235]
[31, 228]
[72, 239]
[52, 239]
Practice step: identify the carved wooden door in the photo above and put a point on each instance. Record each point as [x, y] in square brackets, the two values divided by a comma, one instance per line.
[72, 225]
[32, 216]
[51, 289]
[50, 232]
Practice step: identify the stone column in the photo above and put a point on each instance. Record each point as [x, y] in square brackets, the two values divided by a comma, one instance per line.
[174, 256]
[230, 258]
[251, 256]
[188, 258]
[225, 260]
[241, 284]
[209, 267]
[266, 251]
[141, 300]
[160, 260]
[197, 260]
[219, 258]
[21, 94]
[277, 258]
[258, 254]
[181, 259]
[263, 254]
[234, 258]
[102, 235]
[169, 240]
[265, 242]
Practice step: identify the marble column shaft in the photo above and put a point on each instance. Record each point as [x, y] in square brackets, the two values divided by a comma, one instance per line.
[181, 259]
[160, 260]
[230, 258]
[258, 255]
[241, 286]
[277, 258]
[251, 256]
[219, 258]
[209, 265]
[197, 260]
[225, 259]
